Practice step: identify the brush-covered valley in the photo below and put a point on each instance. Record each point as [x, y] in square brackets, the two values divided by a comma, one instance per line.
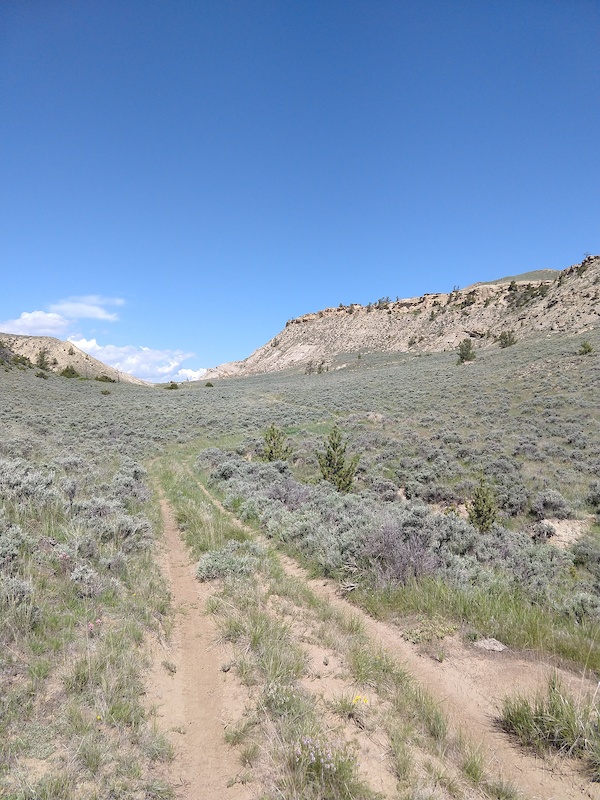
[381, 581]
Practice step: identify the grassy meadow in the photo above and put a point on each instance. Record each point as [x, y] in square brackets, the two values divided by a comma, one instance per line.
[80, 591]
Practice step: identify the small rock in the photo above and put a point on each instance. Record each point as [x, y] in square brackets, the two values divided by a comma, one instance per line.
[490, 644]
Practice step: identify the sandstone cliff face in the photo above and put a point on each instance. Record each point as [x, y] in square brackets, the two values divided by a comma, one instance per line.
[59, 355]
[433, 322]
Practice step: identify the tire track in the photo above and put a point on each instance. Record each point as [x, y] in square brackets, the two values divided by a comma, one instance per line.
[194, 698]
[468, 688]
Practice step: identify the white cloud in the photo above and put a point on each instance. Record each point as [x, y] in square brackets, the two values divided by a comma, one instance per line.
[36, 323]
[89, 306]
[156, 366]
[189, 374]
[57, 321]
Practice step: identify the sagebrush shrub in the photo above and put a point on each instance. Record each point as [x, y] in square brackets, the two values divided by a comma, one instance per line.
[542, 531]
[397, 557]
[551, 503]
[593, 495]
[14, 591]
[87, 581]
[13, 543]
[234, 558]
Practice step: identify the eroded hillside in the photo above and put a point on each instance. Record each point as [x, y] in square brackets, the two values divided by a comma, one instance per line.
[54, 355]
[433, 322]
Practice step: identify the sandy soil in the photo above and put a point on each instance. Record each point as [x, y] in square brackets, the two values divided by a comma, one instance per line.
[195, 698]
[469, 685]
[569, 530]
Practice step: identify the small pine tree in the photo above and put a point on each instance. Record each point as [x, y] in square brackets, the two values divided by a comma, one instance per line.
[275, 447]
[42, 359]
[507, 339]
[483, 510]
[466, 351]
[335, 468]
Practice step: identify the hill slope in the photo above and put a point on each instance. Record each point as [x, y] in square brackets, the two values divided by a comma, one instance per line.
[56, 355]
[433, 322]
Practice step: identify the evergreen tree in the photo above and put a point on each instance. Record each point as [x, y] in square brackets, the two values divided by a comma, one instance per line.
[42, 359]
[69, 372]
[275, 447]
[507, 339]
[483, 511]
[335, 468]
[465, 351]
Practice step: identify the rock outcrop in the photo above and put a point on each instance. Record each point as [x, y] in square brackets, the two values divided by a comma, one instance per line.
[433, 322]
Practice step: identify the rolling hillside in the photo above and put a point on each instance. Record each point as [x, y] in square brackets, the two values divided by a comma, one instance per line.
[54, 355]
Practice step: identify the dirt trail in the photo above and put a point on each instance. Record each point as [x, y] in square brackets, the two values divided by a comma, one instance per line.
[194, 697]
[469, 685]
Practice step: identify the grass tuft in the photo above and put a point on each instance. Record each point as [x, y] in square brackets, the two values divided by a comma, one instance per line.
[556, 721]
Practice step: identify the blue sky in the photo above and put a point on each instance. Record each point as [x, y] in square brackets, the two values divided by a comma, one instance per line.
[178, 178]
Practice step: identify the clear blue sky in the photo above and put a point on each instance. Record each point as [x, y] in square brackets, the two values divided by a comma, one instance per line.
[185, 176]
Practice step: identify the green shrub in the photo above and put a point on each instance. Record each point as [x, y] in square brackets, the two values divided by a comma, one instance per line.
[275, 447]
[42, 359]
[586, 348]
[507, 339]
[209, 385]
[171, 385]
[466, 351]
[483, 510]
[334, 466]
[69, 372]
[104, 379]
[21, 361]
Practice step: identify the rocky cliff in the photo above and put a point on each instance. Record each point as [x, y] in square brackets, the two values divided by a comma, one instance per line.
[570, 301]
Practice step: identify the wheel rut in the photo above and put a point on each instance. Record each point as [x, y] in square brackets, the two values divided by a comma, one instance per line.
[469, 685]
[194, 699]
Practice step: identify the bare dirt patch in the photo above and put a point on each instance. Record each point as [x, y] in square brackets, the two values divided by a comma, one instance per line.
[195, 699]
[568, 530]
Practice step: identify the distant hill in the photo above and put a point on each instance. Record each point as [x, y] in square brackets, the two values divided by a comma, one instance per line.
[54, 356]
[534, 275]
[567, 300]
